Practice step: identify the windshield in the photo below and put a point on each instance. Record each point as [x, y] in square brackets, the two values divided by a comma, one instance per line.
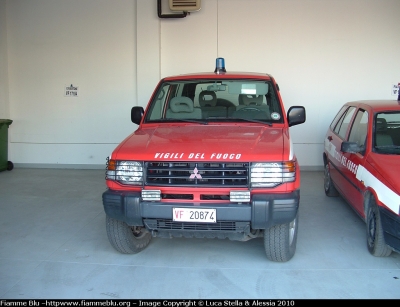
[215, 100]
[387, 133]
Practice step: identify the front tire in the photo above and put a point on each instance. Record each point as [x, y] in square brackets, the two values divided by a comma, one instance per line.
[375, 238]
[280, 241]
[329, 188]
[10, 165]
[126, 239]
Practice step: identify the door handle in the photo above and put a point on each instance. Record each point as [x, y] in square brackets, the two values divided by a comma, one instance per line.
[329, 138]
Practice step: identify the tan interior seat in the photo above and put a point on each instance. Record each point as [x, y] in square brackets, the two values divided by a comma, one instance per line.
[382, 138]
[246, 102]
[182, 107]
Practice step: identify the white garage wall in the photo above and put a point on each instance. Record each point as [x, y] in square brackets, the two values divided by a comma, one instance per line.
[322, 53]
[51, 44]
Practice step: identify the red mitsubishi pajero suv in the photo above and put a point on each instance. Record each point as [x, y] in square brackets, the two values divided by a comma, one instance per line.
[211, 157]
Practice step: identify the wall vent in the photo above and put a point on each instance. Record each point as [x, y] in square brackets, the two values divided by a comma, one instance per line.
[185, 5]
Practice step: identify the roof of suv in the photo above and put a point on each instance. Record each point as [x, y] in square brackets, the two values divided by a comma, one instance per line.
[226, 75]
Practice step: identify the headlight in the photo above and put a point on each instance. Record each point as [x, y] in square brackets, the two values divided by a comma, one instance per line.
[272, 174]
[125, 172]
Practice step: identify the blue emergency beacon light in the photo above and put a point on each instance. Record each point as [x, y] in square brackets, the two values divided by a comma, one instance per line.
[220, 66]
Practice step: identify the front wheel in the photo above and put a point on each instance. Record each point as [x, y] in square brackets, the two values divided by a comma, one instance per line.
[280, 241]
[329, 188]
[126, 239]
[375, 238]
[10, 165]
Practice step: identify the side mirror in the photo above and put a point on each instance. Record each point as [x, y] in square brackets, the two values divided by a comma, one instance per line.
[296, 115]
[351, 147]
[136, 115]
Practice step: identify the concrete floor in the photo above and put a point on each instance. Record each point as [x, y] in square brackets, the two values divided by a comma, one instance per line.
[53, 244]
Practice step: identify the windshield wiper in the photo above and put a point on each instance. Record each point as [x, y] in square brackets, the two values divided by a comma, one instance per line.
[196, 121]
[388, 149]
[387, 146]
[269, 123]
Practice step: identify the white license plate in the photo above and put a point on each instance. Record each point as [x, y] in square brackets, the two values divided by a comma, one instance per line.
[194, 215]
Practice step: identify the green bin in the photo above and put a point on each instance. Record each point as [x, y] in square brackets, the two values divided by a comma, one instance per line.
[4, 163]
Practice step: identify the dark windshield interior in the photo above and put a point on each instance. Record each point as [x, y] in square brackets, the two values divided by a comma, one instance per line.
[387, 133]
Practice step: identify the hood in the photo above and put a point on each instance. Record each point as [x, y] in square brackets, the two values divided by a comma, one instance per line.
[388, 168]
[206, 143]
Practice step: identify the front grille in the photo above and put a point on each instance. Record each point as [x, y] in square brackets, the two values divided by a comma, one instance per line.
[197, 174]
[165, 224]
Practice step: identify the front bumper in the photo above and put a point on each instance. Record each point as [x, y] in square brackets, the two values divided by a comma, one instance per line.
[234, 221]
[391, 228]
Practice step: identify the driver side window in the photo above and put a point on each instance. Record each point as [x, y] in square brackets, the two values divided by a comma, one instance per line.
[343, 123]
[359, 129]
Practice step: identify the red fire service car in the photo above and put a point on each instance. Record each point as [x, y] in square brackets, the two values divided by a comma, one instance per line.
[362, 163]
[211, 158]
